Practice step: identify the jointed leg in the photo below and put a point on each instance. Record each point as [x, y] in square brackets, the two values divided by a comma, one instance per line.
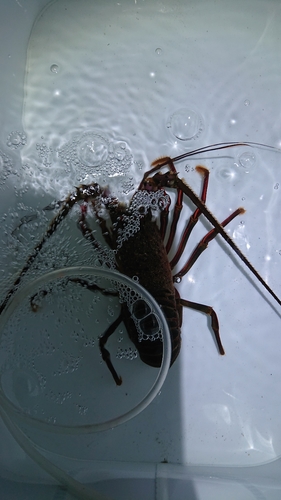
[214, 319]
[105, 353]
[194, 217]
[146, 185]
[170, 179]
[110, 330]
[202, 245]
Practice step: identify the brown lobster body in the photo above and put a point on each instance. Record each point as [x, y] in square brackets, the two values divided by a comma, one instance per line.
[144, 255]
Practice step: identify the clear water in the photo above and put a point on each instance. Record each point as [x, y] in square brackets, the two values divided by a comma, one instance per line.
[108, 88]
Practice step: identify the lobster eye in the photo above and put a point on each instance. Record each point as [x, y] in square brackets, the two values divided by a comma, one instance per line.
[140, 309]
[149, 325]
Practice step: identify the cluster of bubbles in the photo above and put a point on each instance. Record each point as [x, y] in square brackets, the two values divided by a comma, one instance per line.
[128, 184]
[104, 257]
[127, 353]
[141, 203]
[146, 321]
[82, 410]
[60, 397]
[6, 167]
[145, 201]
[16, 139]
[44, 153]
[68, 364]
[46, 347]
[93, 154]
[131, 225]
[126, 294]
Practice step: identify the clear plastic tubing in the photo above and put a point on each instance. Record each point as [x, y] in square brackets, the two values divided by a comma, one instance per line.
[11, 414]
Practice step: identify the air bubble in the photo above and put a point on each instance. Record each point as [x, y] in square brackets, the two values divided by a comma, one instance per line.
[110, 311]
[247, 102]
[54, 68]
[177, 279]
[149, 325]
[228, 174]
[158, 51]
[92, 150]
[140, 309]
[247, 160]
[120, 151]
[186, 124]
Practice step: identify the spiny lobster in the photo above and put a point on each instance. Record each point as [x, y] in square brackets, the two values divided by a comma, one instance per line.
[138, 243]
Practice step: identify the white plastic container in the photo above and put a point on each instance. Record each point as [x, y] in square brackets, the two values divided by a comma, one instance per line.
[136, 80]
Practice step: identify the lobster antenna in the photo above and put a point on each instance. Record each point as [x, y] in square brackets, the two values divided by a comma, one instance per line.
[224, 145]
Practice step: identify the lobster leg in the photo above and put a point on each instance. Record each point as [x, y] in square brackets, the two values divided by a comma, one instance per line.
[202, 245]
[88, 234]
[214, 319]
[86, 231]
[204, 309]
[105, 353]
[176, 214]
[35, 299]
[110, 330]
[164, 220]
[193, 219]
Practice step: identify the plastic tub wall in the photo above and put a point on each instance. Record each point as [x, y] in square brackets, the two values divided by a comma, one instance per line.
[214, 430]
